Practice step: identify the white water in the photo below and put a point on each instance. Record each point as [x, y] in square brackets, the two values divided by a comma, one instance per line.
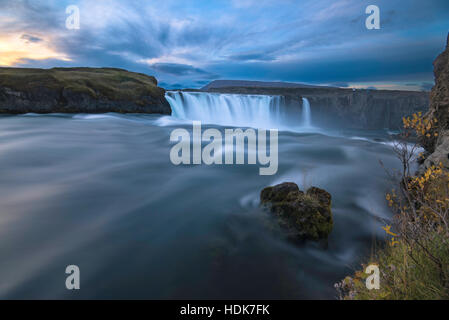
[306, 113]
[259, 111]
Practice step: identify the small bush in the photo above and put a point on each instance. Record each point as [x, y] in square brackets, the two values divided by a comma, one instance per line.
[414, 262]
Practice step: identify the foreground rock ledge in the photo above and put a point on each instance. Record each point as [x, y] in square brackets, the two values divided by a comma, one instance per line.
[305, 216]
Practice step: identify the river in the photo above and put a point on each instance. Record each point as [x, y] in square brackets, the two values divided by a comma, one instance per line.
[100, 192]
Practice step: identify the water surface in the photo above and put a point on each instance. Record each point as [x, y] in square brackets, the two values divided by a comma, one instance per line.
[99, 191]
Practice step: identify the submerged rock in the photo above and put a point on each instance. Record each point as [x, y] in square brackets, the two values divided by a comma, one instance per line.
[305, 216]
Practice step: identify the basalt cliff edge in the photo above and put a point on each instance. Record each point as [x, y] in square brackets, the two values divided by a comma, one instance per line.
[342, 107]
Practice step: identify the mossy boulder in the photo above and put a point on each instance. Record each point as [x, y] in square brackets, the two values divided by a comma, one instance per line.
[304, 215]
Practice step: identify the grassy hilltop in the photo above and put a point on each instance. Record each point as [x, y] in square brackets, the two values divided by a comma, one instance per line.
[91, 90]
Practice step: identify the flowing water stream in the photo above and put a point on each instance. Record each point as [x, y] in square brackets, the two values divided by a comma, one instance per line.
[99, 191]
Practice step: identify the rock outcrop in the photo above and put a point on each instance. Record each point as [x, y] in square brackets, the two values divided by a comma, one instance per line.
[305, 216]
[438, 147]
[79, 90]
[349, 108]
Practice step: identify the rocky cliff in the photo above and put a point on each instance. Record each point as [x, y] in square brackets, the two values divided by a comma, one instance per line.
[79, 90]
[368, 109]
[439, 109]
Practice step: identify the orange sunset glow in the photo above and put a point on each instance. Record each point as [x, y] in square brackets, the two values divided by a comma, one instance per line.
[16, 48]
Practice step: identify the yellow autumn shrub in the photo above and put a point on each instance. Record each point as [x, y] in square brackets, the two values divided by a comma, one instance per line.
[414, 258]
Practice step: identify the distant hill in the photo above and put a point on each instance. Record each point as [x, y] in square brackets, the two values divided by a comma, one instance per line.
[259, 84]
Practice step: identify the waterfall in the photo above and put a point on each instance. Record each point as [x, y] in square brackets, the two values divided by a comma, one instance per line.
[306, 114]
[257, 111]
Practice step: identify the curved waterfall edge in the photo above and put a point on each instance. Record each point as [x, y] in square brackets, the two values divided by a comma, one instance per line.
[261, 111]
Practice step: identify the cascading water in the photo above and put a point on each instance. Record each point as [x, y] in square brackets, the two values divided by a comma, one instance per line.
[306, 114]
[258, 111]
[227, 109]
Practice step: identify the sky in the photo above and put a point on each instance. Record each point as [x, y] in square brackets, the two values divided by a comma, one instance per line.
[187, 44]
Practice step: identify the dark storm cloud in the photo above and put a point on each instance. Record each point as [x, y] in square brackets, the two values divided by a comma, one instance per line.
[30, 38]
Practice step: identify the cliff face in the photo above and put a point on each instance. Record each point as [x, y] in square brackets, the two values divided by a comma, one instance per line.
[439, 109]
[368, 109]
[79, 90]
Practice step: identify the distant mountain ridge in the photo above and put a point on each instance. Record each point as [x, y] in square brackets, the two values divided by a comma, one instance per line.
[259, 84]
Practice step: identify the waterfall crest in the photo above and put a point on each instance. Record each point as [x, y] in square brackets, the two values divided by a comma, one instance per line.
[258, 111]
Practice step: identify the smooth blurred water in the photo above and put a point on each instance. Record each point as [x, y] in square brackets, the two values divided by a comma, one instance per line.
[100, 192]
[258, 111]
[306, 113]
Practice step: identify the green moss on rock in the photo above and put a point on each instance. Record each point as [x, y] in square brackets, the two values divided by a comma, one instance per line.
[305, 216]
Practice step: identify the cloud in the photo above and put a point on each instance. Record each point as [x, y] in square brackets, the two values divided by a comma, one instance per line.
[340, 84]
[259, 3]
[313, 41]
[251, 57]
[171, 86]
[16, 48]
[182, 70]
[29, 38]
[426, 86]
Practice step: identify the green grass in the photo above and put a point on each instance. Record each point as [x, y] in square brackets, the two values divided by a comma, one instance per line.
[406, 273]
